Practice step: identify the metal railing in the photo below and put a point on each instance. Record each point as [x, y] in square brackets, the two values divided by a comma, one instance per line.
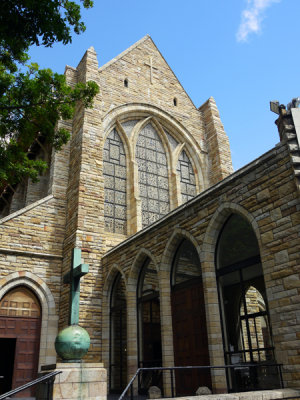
[48, 379]
[129, 387]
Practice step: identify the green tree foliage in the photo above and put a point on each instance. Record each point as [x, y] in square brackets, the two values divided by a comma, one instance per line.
[32, 100]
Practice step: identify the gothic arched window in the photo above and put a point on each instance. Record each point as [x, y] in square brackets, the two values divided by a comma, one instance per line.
[244, 309]
[187, 177]
[114, 172]
[153, 175]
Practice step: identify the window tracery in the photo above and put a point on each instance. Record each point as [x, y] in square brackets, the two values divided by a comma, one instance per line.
[153, 175]
[128, 126]
[114, 172]
[187, 177]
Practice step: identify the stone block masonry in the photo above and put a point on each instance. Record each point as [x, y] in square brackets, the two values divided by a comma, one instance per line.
[265, 193]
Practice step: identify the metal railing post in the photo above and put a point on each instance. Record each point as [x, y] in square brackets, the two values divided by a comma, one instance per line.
[280, 374]
[131, 392]
[172, 382]
[252, 368]
[46, 378]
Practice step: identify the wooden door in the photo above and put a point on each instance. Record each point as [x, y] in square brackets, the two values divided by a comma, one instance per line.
[190, 337]
[20, 320]
[26, 331]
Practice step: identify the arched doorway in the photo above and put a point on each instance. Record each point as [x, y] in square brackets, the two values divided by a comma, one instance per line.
[118, 337]
[189, 320]
[244, 308]
[20, 327]
[149, 326]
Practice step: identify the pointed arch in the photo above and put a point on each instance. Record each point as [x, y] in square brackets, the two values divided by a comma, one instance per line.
[123, 137]
[115, 167]
[109, 280]
[189, 310]
[176, 237]
[240, 281]
[176, 128]
[176, 154]
[107, 291]
[139, 259]
[39, 287]
[216, 223]
[152, 155]
[160, 132]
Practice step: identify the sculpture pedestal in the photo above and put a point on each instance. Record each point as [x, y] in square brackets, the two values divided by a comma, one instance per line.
[79, 381]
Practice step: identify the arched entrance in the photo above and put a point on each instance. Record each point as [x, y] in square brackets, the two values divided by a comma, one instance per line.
[118, 337]
[244, 308]
[149, 326]
[189, 320]
[20, 327]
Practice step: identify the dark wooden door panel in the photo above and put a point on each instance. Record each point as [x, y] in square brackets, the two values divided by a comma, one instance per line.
[27, 334]
[190, 338]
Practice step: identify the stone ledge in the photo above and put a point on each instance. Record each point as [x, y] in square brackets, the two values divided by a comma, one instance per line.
[27, 253]
[256, 395]
[25, 209]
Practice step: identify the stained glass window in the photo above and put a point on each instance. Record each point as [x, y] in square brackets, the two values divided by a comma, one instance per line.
[128, 126]
[153, 175]
[114, 172]
[187, 177]
[173, 142]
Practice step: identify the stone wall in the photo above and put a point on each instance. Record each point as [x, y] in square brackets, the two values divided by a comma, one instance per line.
[38, 239]
[31, 255]
[265, 193]
[143, 97]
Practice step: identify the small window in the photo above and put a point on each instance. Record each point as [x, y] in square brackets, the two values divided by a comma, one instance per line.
[175, 102]
[126, 82]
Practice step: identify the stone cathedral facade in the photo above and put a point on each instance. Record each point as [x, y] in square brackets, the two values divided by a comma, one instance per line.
[190, 262]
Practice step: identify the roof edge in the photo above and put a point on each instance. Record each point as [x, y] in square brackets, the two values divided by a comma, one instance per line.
[136, 44]
[124, 52]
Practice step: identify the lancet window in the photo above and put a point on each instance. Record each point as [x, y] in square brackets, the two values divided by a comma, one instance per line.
[114, 172]
[246, 329]
[153, 175]
[187, 177]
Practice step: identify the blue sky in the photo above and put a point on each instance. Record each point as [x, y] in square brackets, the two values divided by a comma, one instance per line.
[244, 53]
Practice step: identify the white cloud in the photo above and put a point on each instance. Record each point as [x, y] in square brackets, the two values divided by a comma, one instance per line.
[252, 18]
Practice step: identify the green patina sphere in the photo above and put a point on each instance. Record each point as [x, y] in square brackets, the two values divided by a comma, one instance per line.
[72, 343]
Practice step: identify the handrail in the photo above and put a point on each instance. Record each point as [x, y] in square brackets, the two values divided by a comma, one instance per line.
[129, 386]
[27, 385]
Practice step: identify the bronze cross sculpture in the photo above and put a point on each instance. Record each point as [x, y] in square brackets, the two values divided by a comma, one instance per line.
[73, 278]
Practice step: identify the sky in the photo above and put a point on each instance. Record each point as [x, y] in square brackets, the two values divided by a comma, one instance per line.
[244, 53]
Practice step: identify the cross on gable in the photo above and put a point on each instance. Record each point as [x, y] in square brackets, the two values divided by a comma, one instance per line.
[151, 68]
[73, 278]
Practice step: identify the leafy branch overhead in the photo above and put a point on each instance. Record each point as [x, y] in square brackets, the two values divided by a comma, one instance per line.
[31, 104]
[24, 23]
[32, 101]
